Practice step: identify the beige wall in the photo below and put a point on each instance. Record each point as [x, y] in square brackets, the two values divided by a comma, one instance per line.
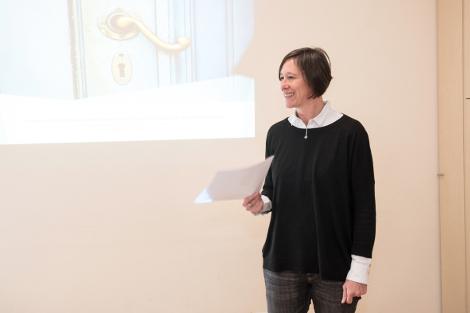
[111, 227]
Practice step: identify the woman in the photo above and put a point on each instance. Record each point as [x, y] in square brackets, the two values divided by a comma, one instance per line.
[320, 192]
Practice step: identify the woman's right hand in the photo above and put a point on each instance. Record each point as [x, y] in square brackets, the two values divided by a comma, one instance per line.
[254, 203]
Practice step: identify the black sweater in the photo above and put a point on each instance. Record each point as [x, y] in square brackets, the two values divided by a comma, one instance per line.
[323, 199]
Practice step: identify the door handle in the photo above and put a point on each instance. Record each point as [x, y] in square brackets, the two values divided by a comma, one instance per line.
[121, 24]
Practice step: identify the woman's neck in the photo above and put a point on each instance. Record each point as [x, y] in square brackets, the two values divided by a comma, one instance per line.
[310, 110]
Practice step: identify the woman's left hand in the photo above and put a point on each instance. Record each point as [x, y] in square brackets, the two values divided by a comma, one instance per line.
[352, 289]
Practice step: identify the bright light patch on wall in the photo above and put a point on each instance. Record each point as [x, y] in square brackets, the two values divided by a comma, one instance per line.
[201, 110]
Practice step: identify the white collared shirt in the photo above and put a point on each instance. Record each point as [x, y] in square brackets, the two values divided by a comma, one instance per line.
[359, 271]
[326, 117]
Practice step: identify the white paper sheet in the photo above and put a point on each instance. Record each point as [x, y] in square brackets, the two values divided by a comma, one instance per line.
[236, 184]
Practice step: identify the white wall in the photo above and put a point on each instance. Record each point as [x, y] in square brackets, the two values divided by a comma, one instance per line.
[111, 227]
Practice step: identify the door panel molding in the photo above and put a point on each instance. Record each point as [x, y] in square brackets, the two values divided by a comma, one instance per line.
[76, 50]
[451, 156]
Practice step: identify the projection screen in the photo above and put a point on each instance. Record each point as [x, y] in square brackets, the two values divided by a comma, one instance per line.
[96, 71]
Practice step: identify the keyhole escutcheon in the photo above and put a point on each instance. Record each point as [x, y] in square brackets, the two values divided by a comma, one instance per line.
[121, 68]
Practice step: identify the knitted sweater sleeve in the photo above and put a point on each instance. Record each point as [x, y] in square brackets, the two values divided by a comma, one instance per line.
[362, 188]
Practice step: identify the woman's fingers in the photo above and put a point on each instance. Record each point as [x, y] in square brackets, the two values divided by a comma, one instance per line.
[254, 203]
[255, 208]
[251, 200]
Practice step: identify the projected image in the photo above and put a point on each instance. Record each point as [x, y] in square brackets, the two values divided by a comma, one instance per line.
[100, 70]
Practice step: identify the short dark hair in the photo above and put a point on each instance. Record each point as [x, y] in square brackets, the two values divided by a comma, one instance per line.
[315, 66]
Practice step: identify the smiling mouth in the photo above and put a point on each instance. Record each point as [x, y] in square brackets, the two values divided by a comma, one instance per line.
[288, 94]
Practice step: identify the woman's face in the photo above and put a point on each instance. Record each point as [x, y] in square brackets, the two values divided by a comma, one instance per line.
[295, 89]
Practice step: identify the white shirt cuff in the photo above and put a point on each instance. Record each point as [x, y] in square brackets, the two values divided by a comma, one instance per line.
[360, 267]
[267, 205]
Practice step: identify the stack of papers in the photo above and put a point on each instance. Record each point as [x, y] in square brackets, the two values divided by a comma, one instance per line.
[236, 184]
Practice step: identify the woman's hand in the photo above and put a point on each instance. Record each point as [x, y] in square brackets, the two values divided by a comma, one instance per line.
[254, 203]
[352, 289]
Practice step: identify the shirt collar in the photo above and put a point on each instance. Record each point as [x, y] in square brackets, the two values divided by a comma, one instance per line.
[317, 121]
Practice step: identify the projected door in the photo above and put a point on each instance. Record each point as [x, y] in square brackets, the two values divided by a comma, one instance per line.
[86, 48]
[163, 42]
[138, 70]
